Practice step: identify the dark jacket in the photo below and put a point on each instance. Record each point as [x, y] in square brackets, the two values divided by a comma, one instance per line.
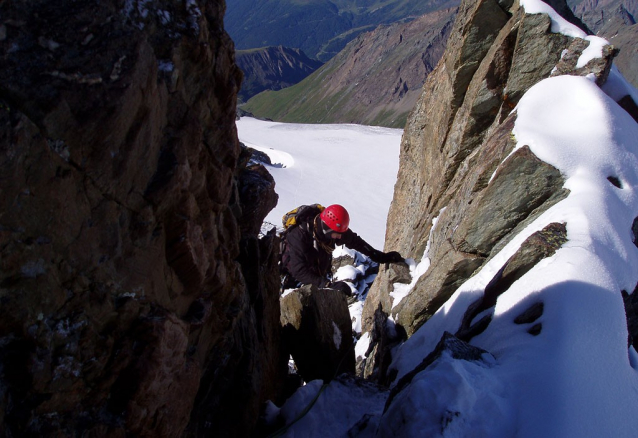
[308, 260]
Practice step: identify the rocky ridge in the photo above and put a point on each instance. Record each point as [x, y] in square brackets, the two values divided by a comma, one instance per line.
[135, 296]
[455, 196]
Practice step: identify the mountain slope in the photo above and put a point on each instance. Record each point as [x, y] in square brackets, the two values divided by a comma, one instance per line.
[321, 28]
[375, 80]
[627, 59]
[616, 21]
[272, 68]
[301, 155]
[597, 14]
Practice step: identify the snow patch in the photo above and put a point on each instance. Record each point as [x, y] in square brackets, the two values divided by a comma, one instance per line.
[165, 66]
[317, 159]
[401, 290]
[451, 398]
[194, 14]
[338, 408]
[356, 312]
[347, 272]
[277, 158]
[618, 87]
[593, 51]
[559, 24]
[361, 349]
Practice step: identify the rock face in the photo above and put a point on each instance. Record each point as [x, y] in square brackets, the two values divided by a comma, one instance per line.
[135, 296]
[272, 68]
[318, 332]
[376, 79]
[461, 195]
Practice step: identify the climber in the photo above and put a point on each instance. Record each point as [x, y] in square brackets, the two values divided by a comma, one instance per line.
[306, 255]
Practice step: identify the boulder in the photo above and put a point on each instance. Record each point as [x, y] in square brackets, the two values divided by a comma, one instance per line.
[318, 332]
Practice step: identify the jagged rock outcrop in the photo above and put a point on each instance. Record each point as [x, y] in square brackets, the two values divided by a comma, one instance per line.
[631, 310]
[135, 296]
[318, 332]
[272, 68]
[538, 246]
[460, 192]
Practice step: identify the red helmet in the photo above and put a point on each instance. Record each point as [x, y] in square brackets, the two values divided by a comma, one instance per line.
[336, 217]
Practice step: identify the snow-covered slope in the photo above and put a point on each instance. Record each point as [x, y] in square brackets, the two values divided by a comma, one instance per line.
[352, 165]
[578, 368]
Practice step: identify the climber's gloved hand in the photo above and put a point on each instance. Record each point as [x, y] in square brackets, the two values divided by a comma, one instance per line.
[394, 257]
[389, 257]
[342, 287]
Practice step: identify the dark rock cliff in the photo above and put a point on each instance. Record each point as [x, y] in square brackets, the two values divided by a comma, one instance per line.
[457, 196]
[135, 296]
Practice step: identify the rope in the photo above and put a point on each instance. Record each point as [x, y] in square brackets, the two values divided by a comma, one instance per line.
[302, 414]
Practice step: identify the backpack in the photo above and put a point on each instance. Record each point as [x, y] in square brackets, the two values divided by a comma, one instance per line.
[299, 215]
[303, 213]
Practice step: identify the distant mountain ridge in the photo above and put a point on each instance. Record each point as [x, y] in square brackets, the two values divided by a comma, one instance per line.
[375, 80]
[597, 14]
[321, 28]
[272, 68]
[614, 20]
